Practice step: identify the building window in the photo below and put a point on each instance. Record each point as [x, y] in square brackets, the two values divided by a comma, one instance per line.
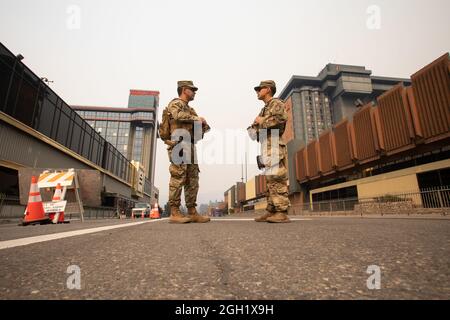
[125, 116]
[113, 124]
[124, 125]
[138, 143]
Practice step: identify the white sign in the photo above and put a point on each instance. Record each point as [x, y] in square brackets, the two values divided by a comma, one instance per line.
[55, 207]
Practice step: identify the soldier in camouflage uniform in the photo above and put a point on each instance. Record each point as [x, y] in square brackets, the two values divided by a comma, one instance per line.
[184, 170]
[269, 126]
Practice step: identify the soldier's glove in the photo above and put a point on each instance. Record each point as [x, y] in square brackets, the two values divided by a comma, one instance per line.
[253, 133]
[260, 163]
[206, 127]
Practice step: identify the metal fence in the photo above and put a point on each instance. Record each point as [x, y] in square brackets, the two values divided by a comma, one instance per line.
[429, 200]
[10, 208]
[2, 199]
[99, 213]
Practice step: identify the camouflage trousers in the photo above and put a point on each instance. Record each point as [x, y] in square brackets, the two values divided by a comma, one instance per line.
[276, 178]
[183, 176]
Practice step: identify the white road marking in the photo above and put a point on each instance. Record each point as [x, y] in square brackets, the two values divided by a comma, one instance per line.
[30, 240]
[55, 236]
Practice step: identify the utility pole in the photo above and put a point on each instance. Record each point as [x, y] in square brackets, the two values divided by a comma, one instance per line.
[242, 171]
[245, 166]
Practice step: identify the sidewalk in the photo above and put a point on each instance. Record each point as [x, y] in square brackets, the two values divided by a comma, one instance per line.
[350, 214]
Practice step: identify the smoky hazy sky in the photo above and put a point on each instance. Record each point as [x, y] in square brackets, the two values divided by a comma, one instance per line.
[95, 51]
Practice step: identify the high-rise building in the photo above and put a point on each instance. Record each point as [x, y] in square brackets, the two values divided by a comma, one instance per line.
[131, 130]
[317, 114]
[315, 104]
[143, 99]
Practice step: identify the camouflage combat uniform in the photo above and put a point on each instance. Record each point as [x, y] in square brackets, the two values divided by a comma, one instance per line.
[275, 117]
[183, 174]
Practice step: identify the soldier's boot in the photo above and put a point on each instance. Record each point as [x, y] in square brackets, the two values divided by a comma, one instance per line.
[263, 218]
[177, 217]
[195, 217]
[279, 217]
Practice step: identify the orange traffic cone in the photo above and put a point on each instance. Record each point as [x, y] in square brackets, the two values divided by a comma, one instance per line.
[58, 193]
[34, 212]
[59, 216]
[155, 212]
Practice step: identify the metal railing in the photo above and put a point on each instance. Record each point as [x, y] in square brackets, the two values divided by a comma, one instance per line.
[100, 213]
[10, 206]
[2, 199]
[427, 200]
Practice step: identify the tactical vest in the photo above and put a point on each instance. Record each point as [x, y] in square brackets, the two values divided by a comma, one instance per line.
[281, 127]
[173, 124]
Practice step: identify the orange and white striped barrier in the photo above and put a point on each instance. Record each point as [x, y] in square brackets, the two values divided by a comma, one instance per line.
[57, 217]
[52, 179]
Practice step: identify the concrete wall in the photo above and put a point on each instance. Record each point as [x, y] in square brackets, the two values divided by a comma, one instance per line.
[292, 148]
[28, 149]
[343, 107]
[23, 149]
[90, 182]
[396, 182]
[250, 189]
[404, 184]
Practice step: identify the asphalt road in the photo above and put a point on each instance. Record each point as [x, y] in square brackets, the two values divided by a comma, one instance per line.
[319, 258]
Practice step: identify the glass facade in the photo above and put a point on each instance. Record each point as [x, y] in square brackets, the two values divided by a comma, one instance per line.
[142, 101]
[142, 116]
[116, 128]
[138, 144]
[116, 116]
[25, 97]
